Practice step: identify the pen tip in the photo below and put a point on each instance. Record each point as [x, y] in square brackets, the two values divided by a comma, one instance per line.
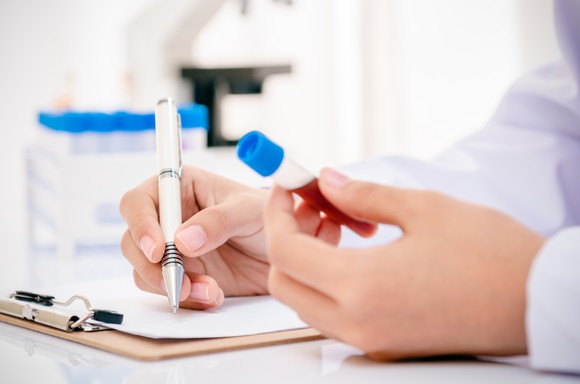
[174, 308]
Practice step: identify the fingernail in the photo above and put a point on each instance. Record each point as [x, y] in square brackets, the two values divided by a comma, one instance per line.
[192, 237]
[147, 245]
[333, 178]
[200, 292]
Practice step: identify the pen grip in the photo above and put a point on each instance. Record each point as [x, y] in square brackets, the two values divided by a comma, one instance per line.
[169, 206]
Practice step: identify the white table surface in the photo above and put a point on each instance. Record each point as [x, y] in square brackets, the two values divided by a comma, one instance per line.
[30, 357]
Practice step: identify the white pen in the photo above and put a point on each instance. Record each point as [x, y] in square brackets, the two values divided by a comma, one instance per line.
[168, 135]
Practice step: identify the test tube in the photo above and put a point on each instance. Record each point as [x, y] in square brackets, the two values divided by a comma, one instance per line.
[268, 159]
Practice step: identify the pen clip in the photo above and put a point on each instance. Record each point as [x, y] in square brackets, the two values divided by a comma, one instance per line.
[180, 143]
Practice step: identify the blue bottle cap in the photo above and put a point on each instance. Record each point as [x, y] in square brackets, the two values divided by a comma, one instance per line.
[260, 153]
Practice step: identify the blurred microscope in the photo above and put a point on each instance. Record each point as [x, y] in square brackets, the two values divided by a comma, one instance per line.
[233, 58]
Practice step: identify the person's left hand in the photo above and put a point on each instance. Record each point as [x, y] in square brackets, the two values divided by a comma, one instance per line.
[454, 283]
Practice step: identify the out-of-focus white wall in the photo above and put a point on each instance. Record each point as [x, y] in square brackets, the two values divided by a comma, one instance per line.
[436, 70]
[369, 76]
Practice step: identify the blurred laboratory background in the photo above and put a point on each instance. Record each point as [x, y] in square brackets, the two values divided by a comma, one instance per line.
[335, 81]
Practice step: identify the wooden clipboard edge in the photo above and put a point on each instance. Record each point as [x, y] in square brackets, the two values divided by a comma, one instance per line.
[143, 348]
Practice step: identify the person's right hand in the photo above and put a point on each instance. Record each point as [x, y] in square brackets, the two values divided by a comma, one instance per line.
[221, 238]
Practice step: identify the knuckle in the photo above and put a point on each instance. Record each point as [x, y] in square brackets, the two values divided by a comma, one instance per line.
[221, 218]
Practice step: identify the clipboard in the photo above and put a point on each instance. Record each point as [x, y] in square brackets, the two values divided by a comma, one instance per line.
[148, 349]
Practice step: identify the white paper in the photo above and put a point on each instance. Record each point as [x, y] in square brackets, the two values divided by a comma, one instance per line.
[149, 315]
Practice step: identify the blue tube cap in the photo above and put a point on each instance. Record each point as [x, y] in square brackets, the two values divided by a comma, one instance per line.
[260, 153]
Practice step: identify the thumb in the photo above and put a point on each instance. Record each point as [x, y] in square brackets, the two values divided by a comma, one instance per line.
[213, 226]
[368, 201]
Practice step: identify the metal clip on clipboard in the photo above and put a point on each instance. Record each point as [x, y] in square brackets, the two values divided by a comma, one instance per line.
[35, 307]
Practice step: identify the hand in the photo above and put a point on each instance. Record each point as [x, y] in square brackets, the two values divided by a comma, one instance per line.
[454, 283]
[222, 238]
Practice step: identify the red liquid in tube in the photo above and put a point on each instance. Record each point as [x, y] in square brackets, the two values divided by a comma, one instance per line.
[268, 159]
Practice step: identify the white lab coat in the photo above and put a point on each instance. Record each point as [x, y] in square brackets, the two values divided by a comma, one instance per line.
[525, 162]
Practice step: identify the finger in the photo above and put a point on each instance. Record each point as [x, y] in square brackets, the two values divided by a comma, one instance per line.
[329, 231]
[304, 258]
[139, 209]
[311, 223]
[369, 201]
[205, 293]
[149, 272]
[308, 219]
[212, 296]
[313, 307]
[213, 226]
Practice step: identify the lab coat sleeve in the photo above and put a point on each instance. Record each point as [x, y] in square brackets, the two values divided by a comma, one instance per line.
[553, 305]
[524, 162]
